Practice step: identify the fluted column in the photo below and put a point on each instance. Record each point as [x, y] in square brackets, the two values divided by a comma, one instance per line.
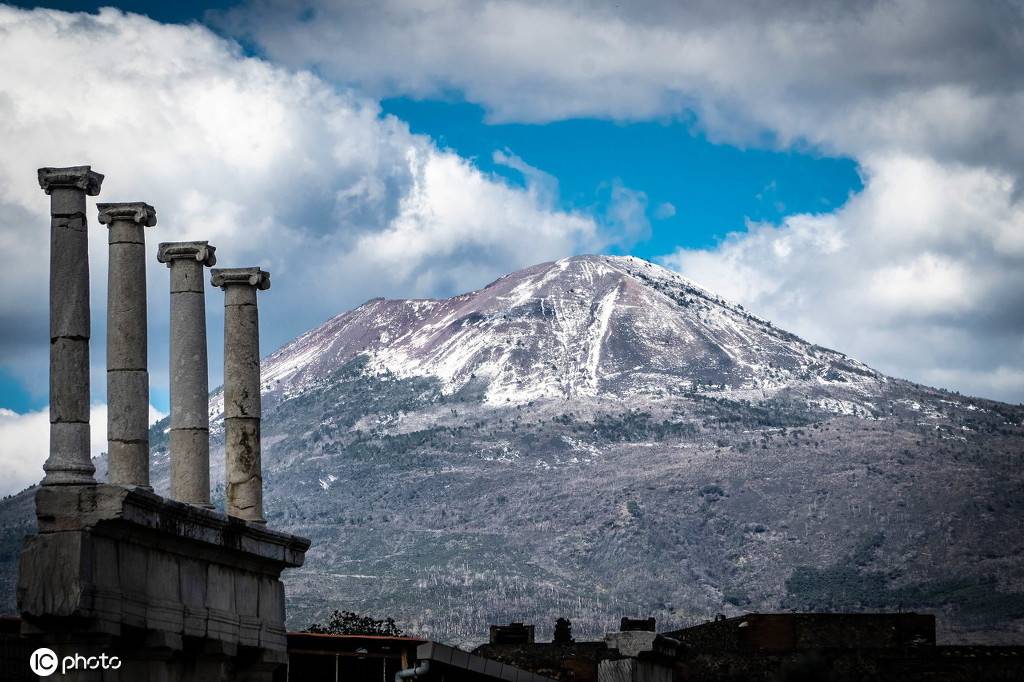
[190, 388]
[68, 461]
[127, 370]
[242, 389]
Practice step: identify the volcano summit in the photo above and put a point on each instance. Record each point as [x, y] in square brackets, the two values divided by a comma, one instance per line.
[600, 437]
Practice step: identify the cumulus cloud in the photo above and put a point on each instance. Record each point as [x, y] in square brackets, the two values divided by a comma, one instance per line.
[24, 443]
[921, 273]
[273, 166]
[926, 96]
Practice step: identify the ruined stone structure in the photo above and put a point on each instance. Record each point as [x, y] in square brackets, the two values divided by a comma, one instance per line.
[190, 386]
[68, 462]
[170, 587]
[127, 365]
[242, 454]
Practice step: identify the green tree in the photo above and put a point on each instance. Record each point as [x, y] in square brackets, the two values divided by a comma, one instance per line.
[350, 623]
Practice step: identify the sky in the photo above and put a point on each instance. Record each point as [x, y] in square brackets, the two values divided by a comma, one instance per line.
[849, 170]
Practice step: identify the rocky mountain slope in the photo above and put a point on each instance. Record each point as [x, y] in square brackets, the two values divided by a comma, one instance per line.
[600, 437]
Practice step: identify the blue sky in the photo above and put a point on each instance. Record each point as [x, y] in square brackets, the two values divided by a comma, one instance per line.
[713, 188]
[852, 174]
[696, 190]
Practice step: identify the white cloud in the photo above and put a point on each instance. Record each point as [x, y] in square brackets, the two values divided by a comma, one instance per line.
[919, 275]
[664, 210]
[24, 443]
[932, 294]
[274, 167]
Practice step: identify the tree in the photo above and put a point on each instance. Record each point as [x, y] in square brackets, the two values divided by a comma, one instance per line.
[350, 623]
[563, 631]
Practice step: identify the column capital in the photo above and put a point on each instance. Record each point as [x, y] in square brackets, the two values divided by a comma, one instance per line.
[136, 211]
[76, 177]
[199, 251]
[255, 277]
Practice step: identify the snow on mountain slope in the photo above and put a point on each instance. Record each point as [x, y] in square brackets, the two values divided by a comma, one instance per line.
[581, 327]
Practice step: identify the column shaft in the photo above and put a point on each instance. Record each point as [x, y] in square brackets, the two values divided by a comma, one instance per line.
[244, 475]
[127, 367]
[69, 461]
[190, 418]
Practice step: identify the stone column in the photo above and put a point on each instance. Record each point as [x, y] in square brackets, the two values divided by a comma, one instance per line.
[242, 390]
[190, 388]
[127, 373]
[68, 462]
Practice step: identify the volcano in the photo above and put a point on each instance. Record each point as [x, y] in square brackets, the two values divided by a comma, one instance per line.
[600, 437]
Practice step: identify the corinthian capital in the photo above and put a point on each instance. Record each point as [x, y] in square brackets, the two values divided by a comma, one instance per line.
[75, 177]
[254, 277]
[198, 251]
[137, 212]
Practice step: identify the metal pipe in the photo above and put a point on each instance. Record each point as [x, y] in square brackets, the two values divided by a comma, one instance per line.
[412, 673]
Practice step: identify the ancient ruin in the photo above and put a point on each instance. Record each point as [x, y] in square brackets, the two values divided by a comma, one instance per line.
[171, 588]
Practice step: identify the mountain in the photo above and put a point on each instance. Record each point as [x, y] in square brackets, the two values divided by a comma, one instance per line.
[600, 437]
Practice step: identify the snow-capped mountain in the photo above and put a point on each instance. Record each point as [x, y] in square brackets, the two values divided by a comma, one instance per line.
[583, 327]
[600, 437]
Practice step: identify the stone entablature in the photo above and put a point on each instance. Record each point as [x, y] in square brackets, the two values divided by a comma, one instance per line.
[114, 565]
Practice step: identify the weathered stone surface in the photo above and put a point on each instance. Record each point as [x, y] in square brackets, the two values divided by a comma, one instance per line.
[67, 201]
[69, 283]
[59, 575]
[65, 465]
[254, 277]
[189, 383]
[69, 380]
[241, 361]
[126, 307]
[133, 212]
[244, 482]
[127, 375]
[109, 557]
[129, 465]
[128, 387]
[244, 478]
[82, 178]
[188, 362]
[190, 465]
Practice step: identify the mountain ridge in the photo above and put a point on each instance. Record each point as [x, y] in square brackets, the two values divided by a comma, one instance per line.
[598, 437]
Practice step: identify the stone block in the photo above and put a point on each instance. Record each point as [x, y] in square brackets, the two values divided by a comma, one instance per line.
[189, 365]
[271, 607]
[239, 296]
[69, 380]
[53, 578]
[192, 586]
[134, 567]
[126, 307]
[107, 579]
[128, 463]
[187, 277]
[65, 201]
[69, 461]
[244, 484]
[128, 390]
[123, 232]
[241, 362]
[69, 283]
[165, 608]
[190, 465]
